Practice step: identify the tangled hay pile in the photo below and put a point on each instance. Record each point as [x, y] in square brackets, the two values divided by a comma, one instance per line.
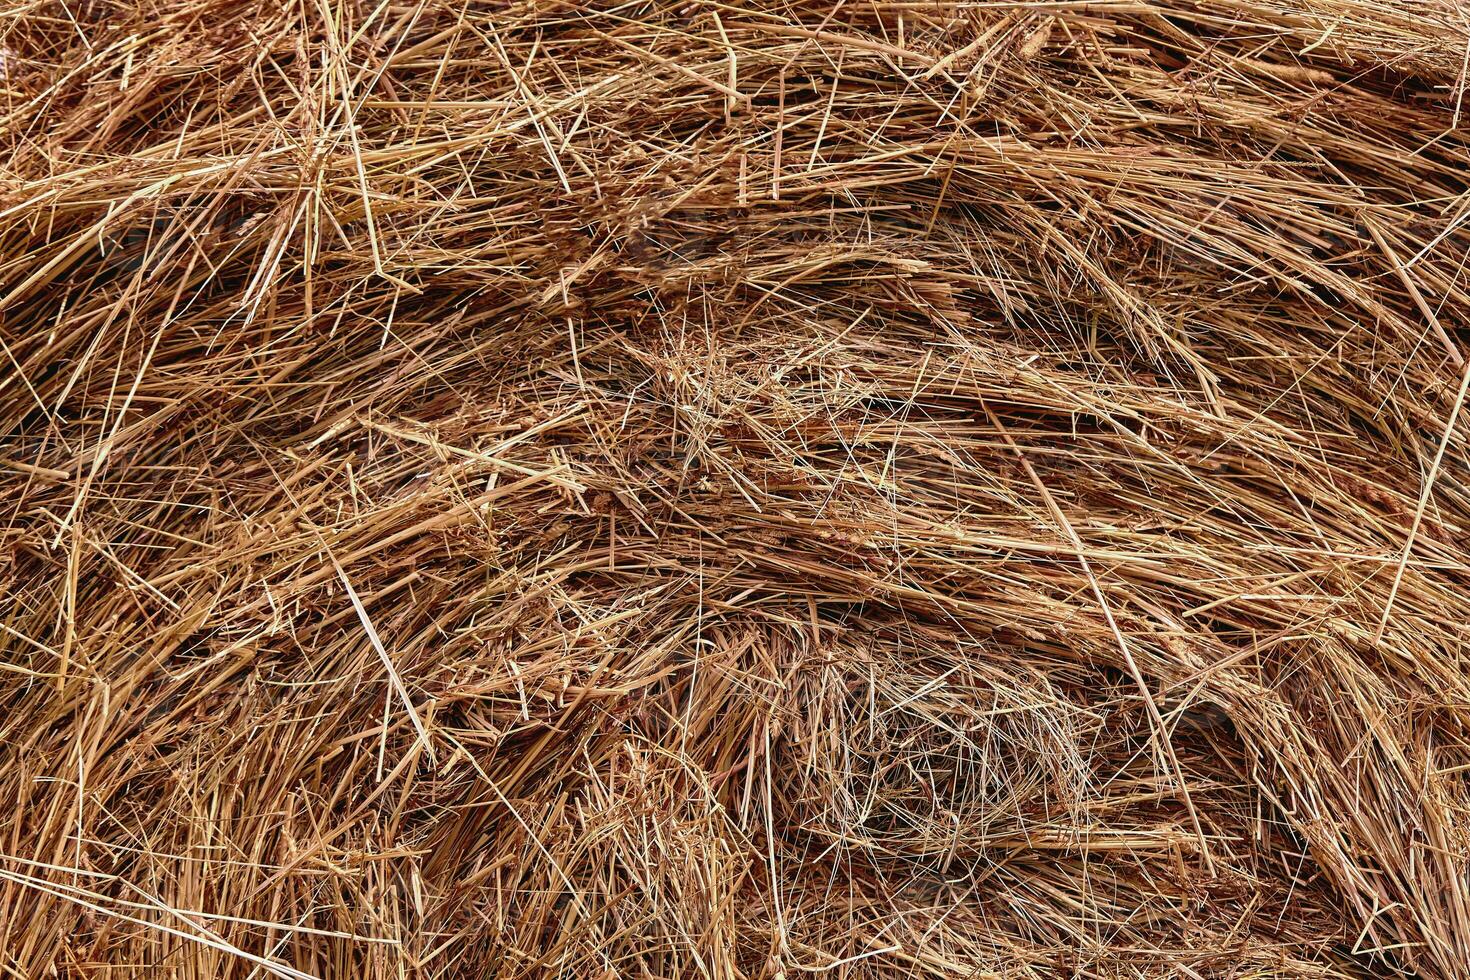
[658, 490]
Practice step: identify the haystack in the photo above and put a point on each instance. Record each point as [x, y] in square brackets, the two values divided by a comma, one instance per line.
[735, 490]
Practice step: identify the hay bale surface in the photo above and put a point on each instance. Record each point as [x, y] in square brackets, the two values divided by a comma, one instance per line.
[661, 490]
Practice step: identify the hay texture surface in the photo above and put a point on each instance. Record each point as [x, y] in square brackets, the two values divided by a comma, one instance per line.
[844, 488]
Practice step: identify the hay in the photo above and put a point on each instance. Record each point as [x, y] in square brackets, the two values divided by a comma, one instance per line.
[865, 489]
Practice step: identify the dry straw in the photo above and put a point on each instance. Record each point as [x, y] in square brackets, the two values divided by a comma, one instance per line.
[653, 490]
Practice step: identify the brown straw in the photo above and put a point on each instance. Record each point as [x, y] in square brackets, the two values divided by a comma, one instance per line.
[582, 489]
